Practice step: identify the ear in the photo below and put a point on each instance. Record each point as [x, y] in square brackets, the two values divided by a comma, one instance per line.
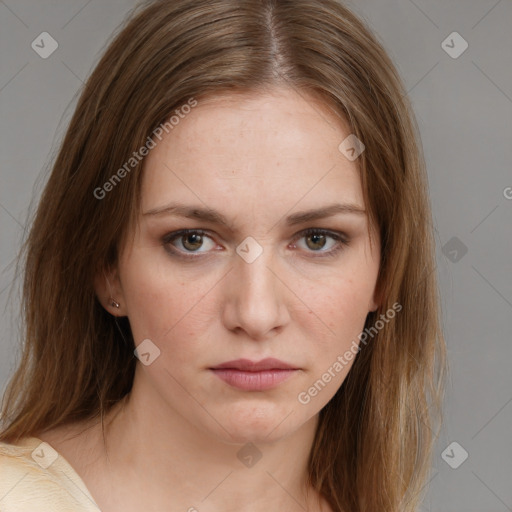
[109, 291]
[373, 306]
[375, 301]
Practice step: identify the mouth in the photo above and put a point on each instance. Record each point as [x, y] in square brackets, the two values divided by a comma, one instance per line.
[254, 376]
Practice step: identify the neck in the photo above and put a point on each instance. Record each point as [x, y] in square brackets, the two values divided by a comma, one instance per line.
[151, 445]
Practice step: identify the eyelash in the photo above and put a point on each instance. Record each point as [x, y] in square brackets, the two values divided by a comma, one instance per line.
[340, 238]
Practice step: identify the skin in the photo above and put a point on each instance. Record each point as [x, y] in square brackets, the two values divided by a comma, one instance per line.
[257, 159]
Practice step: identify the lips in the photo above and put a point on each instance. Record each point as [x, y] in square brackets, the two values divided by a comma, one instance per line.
[254, 375]
[247, 365]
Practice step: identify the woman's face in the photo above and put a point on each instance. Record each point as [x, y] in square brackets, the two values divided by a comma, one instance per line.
[248, 175]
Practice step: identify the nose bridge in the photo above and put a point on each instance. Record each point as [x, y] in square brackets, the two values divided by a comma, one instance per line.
[256, 277]
[255, 301]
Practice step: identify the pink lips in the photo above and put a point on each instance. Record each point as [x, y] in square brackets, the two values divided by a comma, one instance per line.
[254, 376]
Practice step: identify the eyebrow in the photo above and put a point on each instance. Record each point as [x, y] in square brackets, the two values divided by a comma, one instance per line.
[215, 217]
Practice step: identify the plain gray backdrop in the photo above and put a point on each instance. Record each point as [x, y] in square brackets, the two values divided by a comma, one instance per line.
[463, 103]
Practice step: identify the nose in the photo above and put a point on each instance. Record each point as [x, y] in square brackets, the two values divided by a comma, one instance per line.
[254, 301]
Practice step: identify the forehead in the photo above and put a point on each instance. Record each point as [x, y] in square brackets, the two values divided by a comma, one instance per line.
[259, 152]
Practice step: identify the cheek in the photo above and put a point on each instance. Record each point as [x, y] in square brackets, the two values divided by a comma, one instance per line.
[163, 305]
[338, 312]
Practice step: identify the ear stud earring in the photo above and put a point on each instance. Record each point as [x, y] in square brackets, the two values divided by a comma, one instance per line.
[114, 303]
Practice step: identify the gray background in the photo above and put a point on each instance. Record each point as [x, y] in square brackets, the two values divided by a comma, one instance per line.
[464, 109]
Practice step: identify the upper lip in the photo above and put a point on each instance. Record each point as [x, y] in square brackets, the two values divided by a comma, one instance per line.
[269, 363]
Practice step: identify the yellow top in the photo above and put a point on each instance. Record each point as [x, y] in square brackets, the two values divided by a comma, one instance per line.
[35, 478]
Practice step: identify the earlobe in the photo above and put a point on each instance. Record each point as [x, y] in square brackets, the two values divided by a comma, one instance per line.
[112, 302]
[109, 293]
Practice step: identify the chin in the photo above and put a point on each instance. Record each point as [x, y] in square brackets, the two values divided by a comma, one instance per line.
[262, 423]
[243, 434]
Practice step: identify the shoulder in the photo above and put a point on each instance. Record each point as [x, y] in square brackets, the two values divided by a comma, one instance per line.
[33, 477]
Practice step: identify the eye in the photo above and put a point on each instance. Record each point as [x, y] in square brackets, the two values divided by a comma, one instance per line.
[188, 241]
[326, 243]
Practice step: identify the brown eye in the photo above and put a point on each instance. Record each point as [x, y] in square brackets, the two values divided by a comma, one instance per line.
[192, 241]
[187, 242]
[320, 242]
[317, 241]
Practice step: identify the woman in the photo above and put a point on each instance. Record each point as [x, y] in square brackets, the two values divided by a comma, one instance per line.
[230, 300]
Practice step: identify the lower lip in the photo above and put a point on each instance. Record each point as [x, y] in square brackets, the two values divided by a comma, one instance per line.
[253, 381]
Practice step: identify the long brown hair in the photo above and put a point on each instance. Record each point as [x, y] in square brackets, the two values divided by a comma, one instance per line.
[373, 444]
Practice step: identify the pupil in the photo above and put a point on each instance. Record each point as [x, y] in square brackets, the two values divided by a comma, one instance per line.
[196, 241]
[317, 239]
